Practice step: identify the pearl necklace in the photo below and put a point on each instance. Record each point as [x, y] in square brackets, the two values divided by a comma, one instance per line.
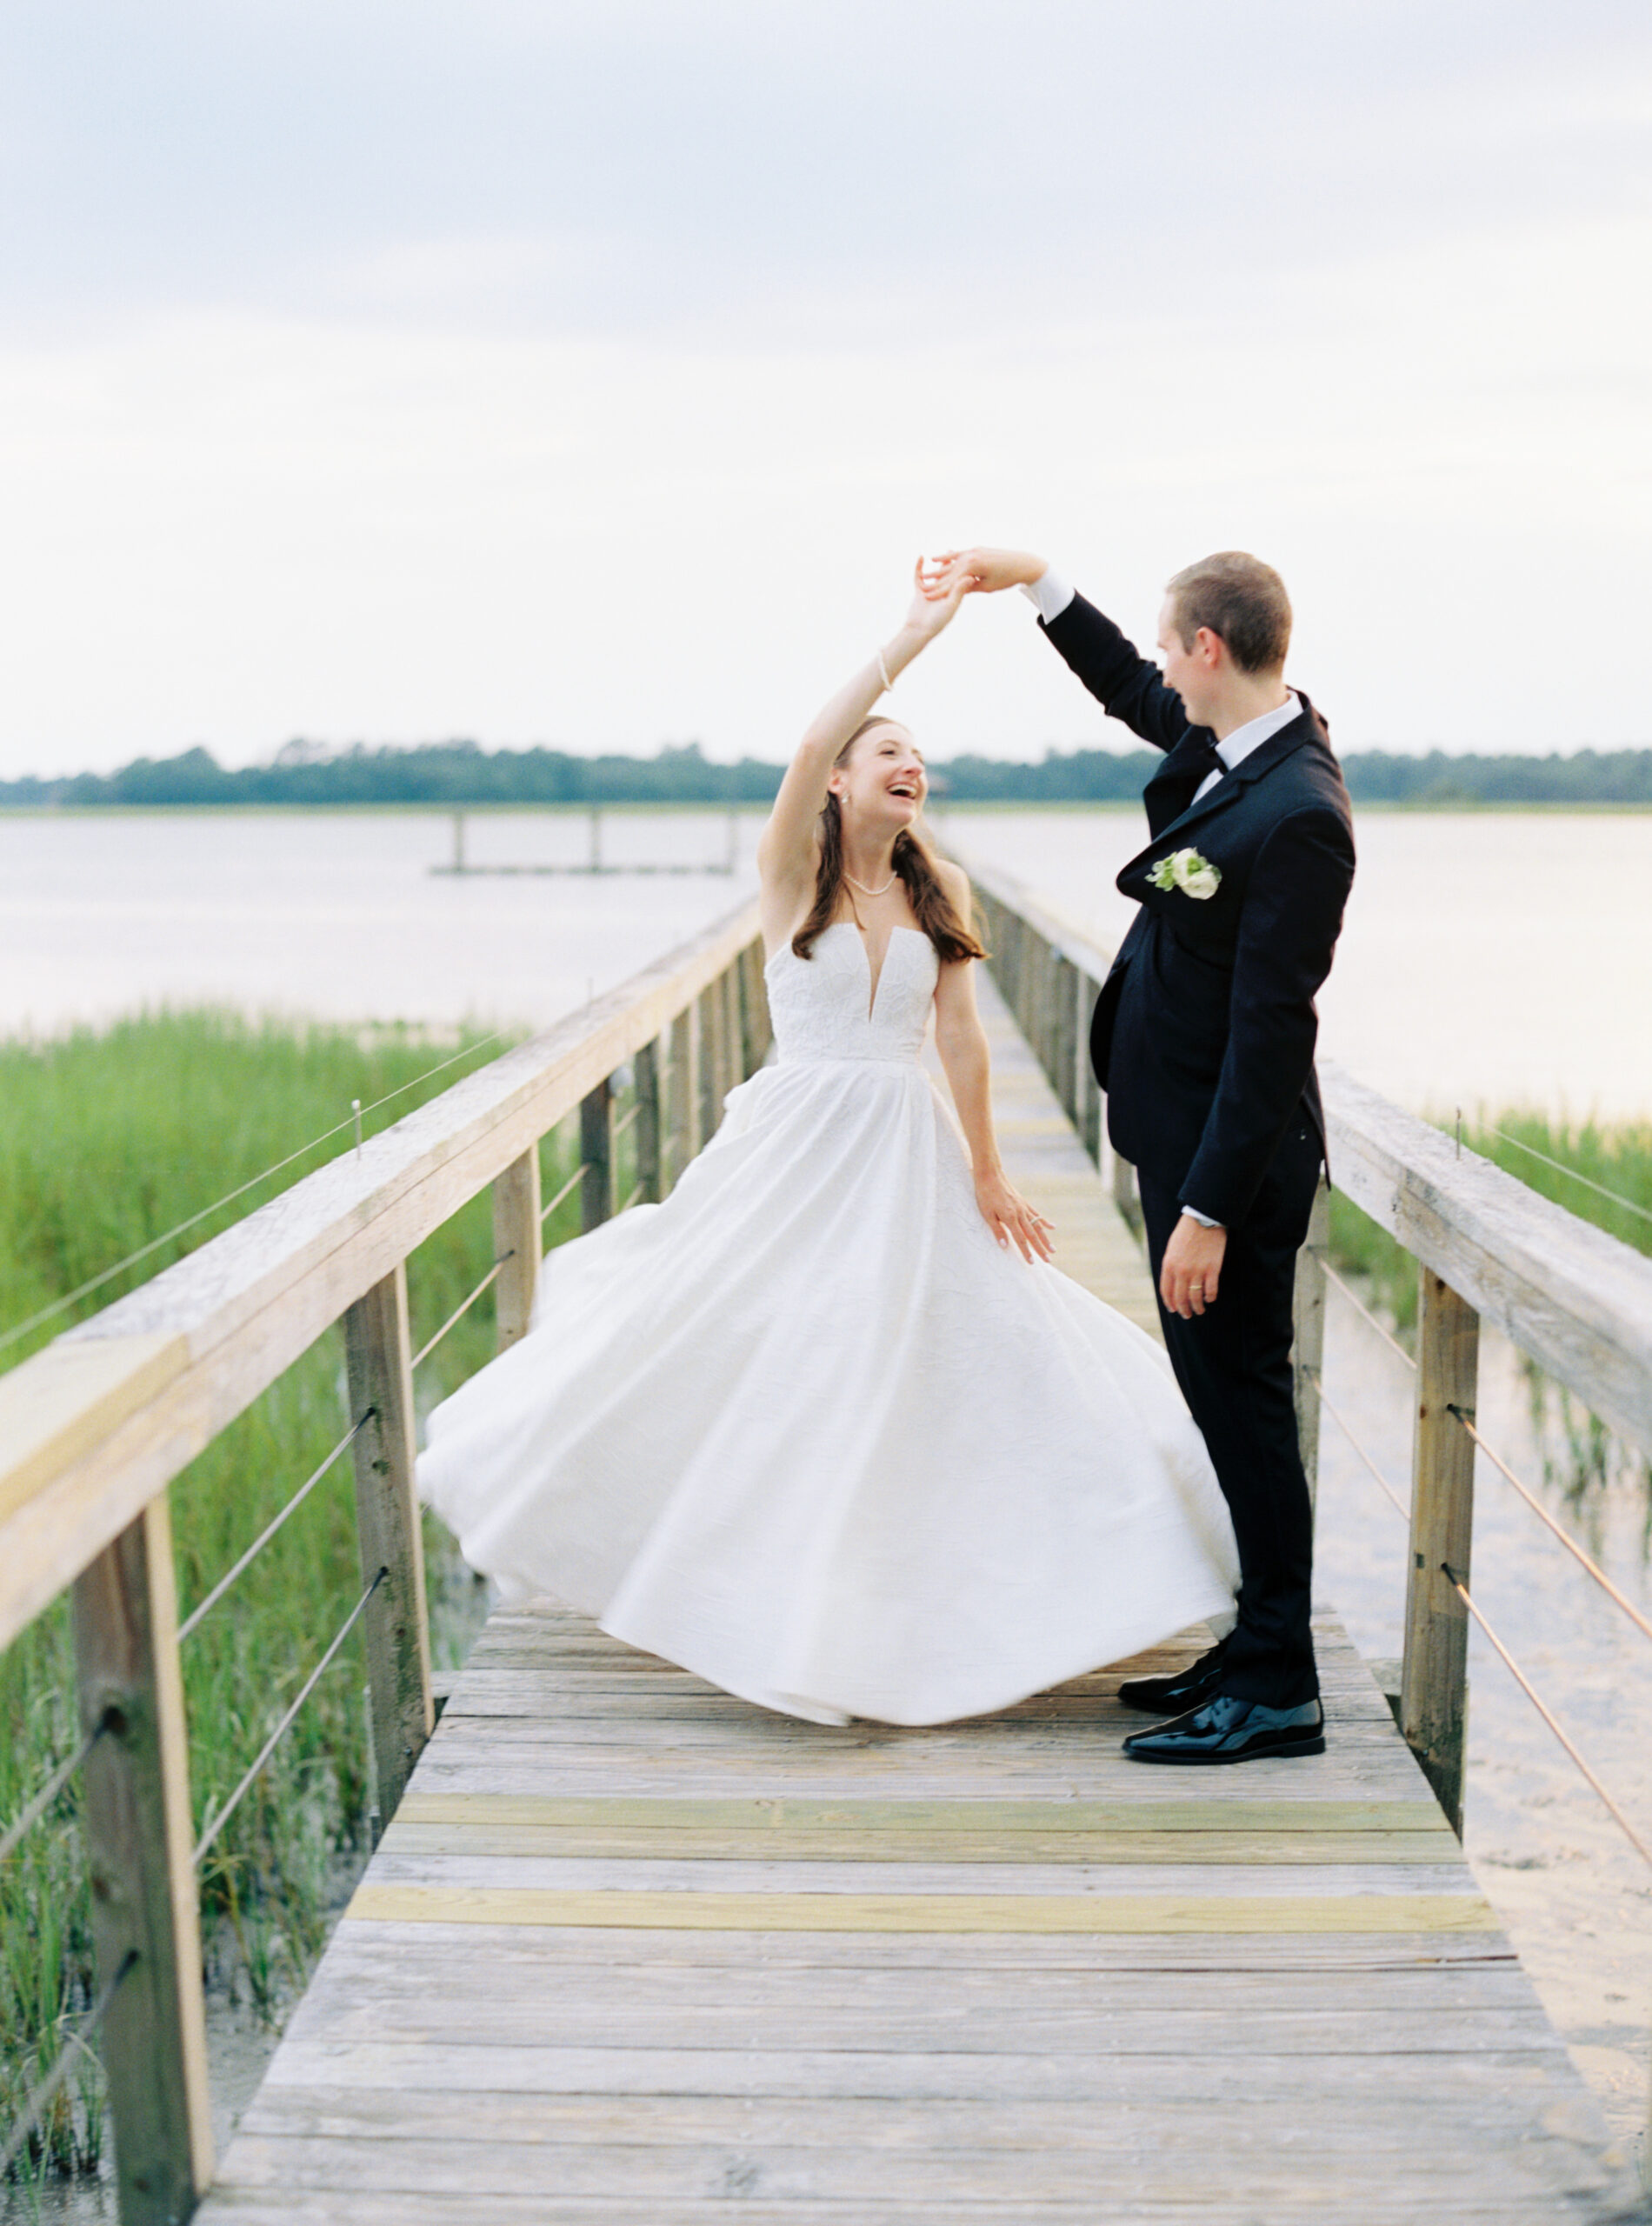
[864, 891]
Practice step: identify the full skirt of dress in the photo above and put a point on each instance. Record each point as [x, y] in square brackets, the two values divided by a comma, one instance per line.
[806, 1430]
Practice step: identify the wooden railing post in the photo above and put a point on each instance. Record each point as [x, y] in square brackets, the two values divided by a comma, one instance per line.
[1434, 1692]
[139, 1843]
[597, 1154]
[646, 1067]
[1089, 1091]
[1067, 985]
[515, 1241]
[728, 1011]
[683, 1092]
[709, 1008]
[379, 1373]
[753, 1014]
[1308, 1346]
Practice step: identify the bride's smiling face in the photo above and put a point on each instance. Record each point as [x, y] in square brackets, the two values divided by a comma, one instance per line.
[881, 779]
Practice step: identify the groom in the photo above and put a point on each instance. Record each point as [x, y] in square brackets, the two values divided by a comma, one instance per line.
[1203, 1039]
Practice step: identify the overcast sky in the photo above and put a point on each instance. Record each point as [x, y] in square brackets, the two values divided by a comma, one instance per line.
[592, 375]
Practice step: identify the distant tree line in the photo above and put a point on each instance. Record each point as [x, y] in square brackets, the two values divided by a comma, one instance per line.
[455, 773]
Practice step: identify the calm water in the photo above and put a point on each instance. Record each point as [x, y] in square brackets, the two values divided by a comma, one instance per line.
[1488, 959]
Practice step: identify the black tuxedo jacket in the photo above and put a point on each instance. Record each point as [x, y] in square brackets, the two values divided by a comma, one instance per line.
[1204, 1033]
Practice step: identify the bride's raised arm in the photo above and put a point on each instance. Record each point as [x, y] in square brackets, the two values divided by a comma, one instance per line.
[786, 852]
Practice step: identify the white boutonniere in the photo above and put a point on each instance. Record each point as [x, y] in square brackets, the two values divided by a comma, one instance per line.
[1187, 872]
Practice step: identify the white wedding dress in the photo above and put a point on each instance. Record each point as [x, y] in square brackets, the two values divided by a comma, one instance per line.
[807, 1430]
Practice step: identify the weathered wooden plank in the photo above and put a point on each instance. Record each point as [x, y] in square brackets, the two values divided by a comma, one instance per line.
[932, 1912]
[730, 1954]
[455, 1975]
[461, 1862]
[917, 2075]
[1138, 2125]
[412, 2207]
[990, 2026]
[1196, 1815]
[798, 2173]
[548, 1769]
[410, 1843]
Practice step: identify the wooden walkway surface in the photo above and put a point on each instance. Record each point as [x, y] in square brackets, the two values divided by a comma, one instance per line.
[632, 1950]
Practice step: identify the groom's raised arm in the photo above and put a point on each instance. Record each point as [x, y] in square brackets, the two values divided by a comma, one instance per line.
[1113, 669]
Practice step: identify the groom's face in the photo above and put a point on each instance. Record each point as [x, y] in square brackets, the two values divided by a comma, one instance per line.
[1187, 667]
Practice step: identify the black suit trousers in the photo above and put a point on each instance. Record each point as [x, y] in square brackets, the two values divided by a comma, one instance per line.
[1233, 1363]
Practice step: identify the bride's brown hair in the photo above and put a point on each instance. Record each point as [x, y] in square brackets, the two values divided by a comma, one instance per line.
[913, 861]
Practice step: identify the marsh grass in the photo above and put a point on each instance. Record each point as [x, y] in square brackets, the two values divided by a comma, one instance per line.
[108, 1140]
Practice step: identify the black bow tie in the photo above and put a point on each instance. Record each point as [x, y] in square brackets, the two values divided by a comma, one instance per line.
[1201, 759]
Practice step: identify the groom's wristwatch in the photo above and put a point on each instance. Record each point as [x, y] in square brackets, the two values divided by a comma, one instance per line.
[1203, 1220]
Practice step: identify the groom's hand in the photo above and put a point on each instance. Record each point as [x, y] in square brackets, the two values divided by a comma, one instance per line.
[987, 571]
[1190, 1273]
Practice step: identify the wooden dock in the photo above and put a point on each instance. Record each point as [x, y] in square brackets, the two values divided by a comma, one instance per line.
[633, 1951]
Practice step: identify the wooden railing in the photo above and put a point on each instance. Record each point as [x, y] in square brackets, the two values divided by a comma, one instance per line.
[93, 1429]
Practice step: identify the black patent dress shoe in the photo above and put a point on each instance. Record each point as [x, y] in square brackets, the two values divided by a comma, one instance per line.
[1229, 1731]
[1174, 1695]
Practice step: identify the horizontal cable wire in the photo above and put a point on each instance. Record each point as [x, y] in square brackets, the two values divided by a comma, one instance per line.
[545, 1212]
[1365, 1313]
[35, 2106]
[1401, 1508]
[1559, 1529]
[270, 1530]
[1588, 1181]
[635, 1196]
[627, 1118]
[49, 1793]
[463, 1307]
[270, 1743]
[1532, 1695]
[96, 1281]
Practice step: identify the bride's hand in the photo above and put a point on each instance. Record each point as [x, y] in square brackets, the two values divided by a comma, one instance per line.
[1011, 1220]
[933, 609]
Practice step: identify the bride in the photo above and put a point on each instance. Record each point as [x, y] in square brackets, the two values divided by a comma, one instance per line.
[826, 1427]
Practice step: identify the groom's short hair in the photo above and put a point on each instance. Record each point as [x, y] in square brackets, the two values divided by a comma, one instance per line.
[1240, 598]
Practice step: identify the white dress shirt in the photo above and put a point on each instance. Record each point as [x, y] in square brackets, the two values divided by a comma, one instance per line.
[1052, 595]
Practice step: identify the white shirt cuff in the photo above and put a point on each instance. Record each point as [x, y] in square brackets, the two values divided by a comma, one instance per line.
[1203, 1220]
[1049, 592]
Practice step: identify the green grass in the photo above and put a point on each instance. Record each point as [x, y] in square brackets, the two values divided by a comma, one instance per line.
[108, 1140]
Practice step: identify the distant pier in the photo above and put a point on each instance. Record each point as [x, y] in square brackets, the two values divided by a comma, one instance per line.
[593, 862]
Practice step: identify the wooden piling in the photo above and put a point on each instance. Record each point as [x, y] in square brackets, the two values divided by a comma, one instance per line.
[515, 1241]
[1308, 1347]
[139, 1841]
[379, 1373]
[1434, 1696]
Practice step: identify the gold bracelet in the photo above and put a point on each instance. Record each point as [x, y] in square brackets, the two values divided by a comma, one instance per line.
[883, 673]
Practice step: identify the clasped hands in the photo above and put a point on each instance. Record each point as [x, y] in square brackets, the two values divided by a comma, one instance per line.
[977, 571]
